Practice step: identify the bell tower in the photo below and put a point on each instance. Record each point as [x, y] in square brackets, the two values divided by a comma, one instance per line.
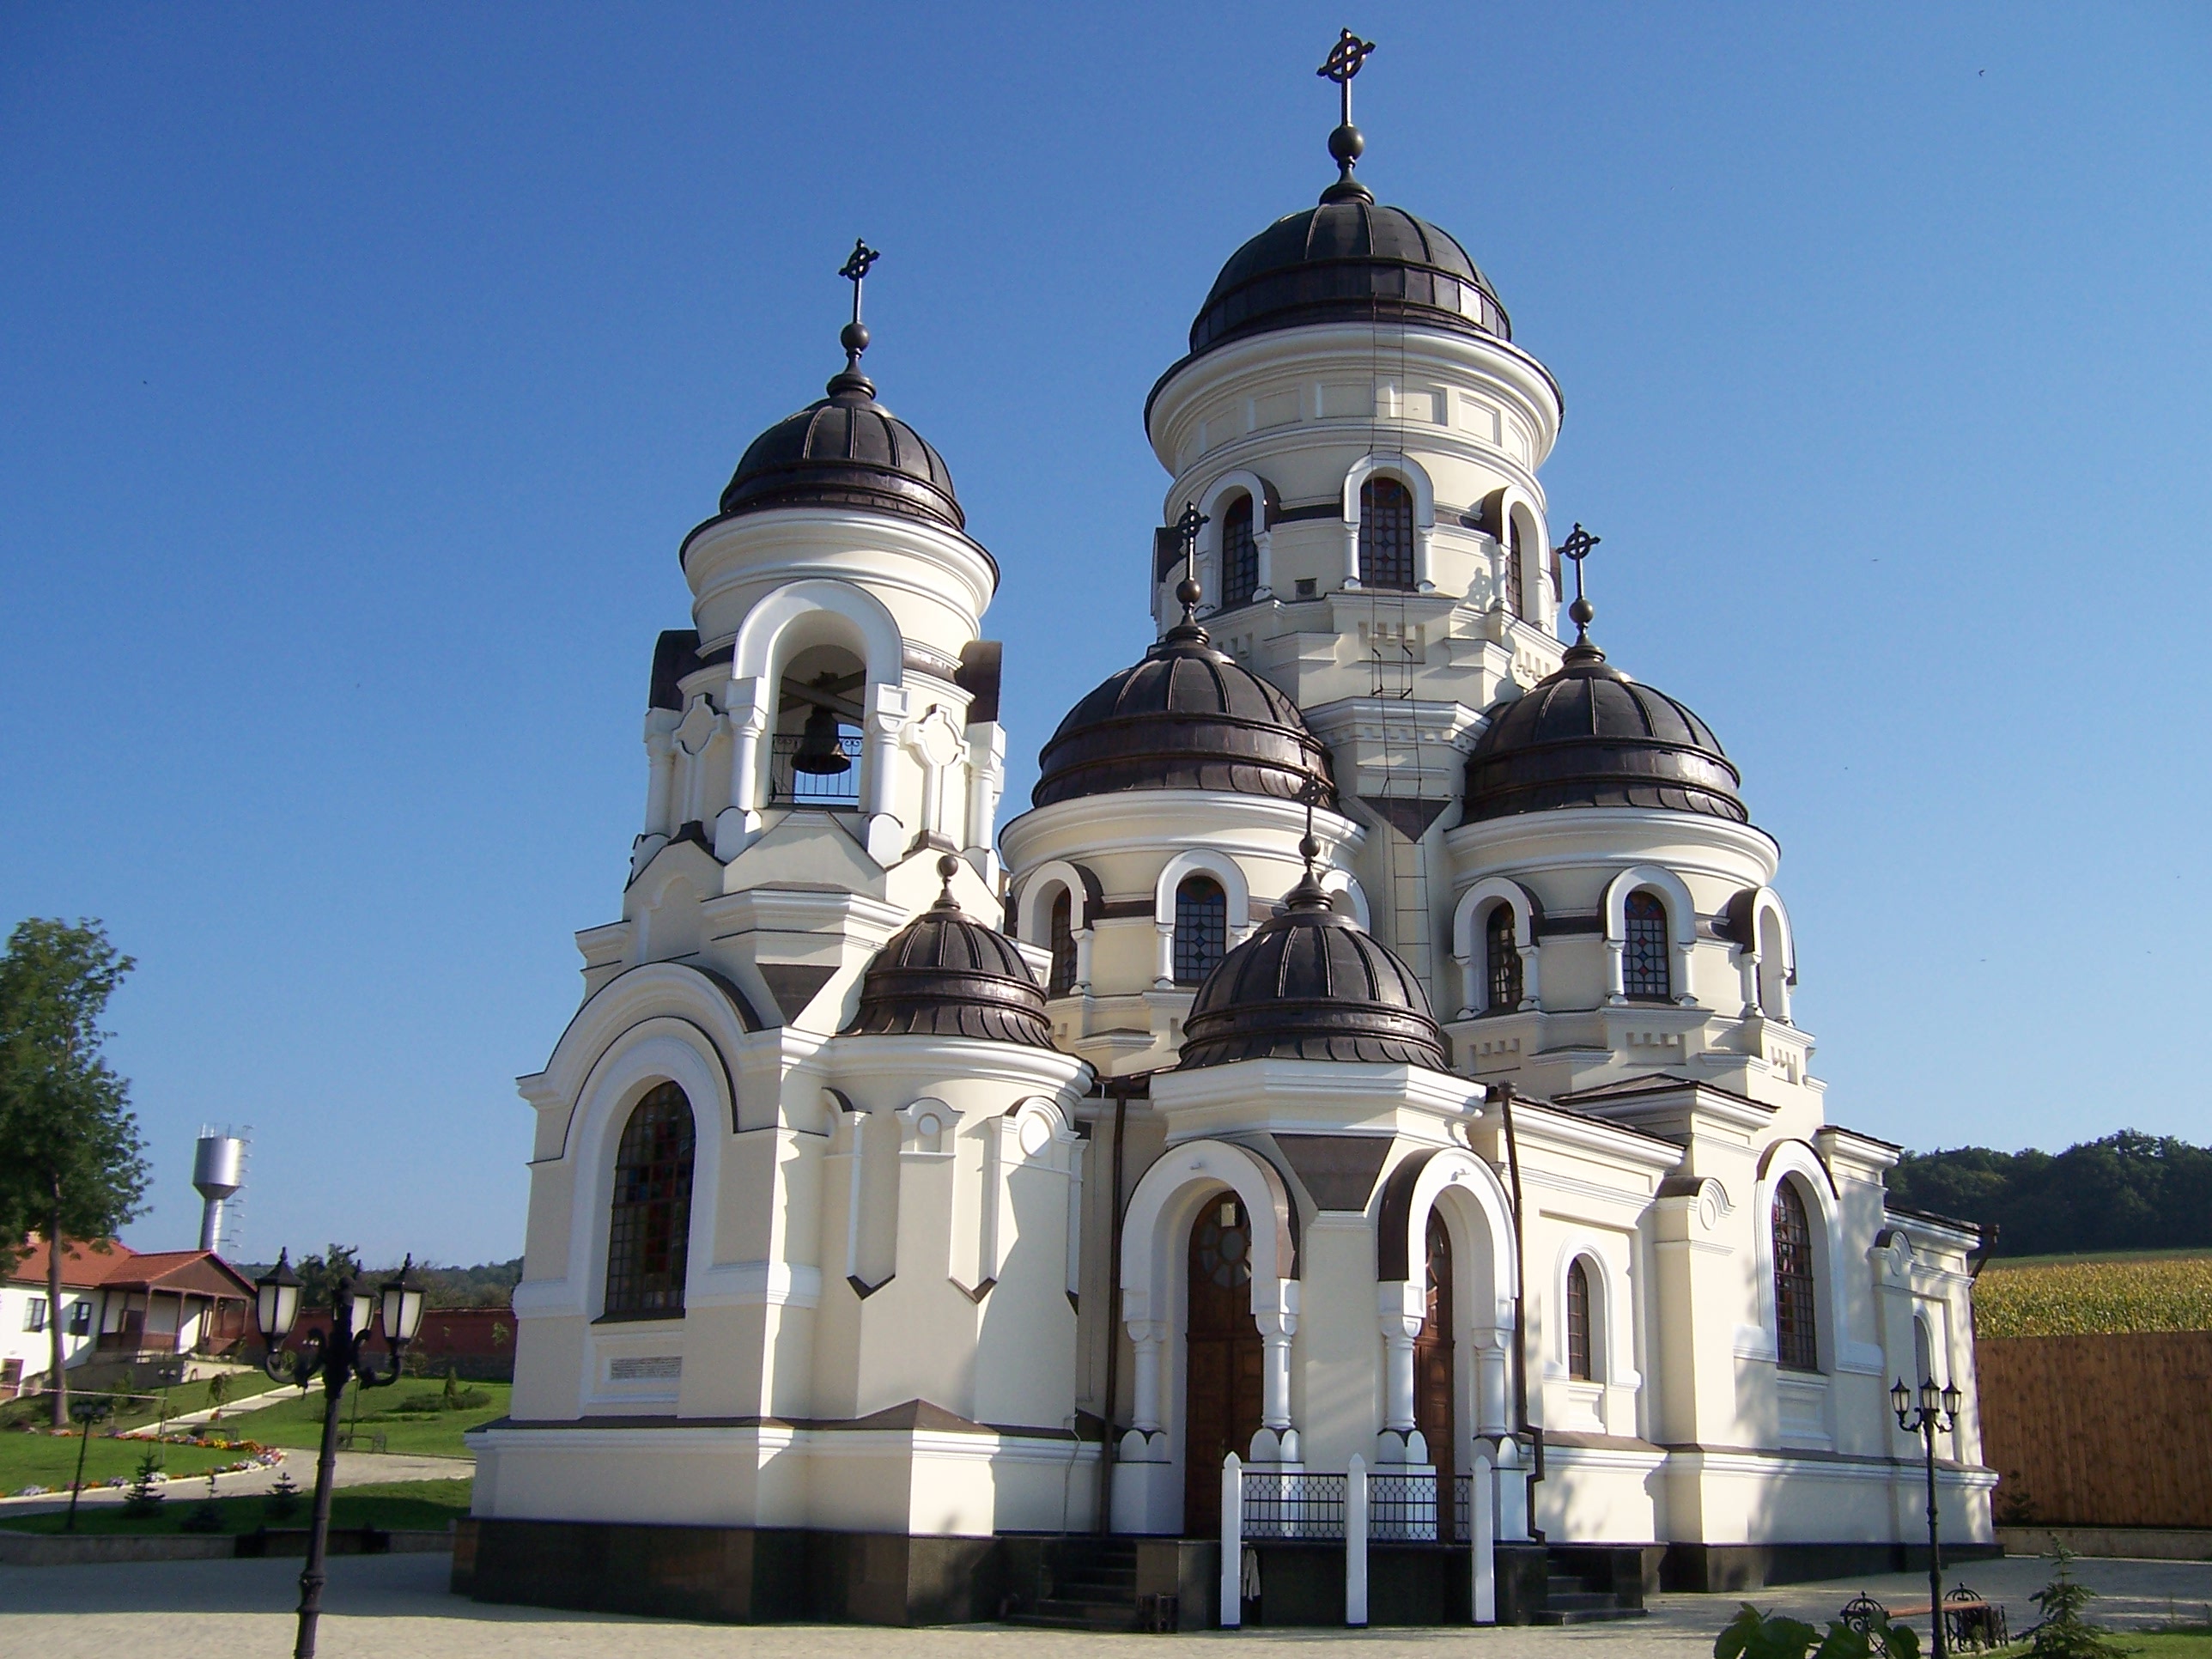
[828, 727]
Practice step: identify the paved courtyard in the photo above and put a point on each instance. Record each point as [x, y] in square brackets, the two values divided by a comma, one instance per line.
[397, 1608]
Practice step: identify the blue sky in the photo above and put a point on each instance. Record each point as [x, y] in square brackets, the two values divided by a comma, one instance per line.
[362, 370]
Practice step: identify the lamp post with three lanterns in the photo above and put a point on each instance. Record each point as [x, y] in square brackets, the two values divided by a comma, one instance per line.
[1936, 1411]
[338, 1357]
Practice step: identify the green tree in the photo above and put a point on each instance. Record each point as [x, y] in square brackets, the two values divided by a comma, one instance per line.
[72, 1162]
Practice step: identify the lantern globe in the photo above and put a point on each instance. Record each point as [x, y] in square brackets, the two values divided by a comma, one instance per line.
[1929, 1398]
[1952, 1399]
[403, 1305]
[363, 1303]
[276, 1300]
[1900, 1398]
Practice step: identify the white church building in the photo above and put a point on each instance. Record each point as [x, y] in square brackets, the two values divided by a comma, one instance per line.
[1358, 1094]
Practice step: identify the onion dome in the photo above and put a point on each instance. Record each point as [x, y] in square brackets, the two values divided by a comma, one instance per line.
[944, 974]
[845, 450]
[1310, 984]
[1589, 736]
[1187, 717]
[1348, 260]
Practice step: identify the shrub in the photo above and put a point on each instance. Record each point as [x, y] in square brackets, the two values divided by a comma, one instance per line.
[283, 1498]
[2064, 1633]
[143, 1502]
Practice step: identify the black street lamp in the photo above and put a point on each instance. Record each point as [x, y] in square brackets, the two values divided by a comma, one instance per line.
[1935, 1411]
[339, 1358]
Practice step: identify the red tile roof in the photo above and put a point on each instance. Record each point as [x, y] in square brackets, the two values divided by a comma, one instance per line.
[113, 1265]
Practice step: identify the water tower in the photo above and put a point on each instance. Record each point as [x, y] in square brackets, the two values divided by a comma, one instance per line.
[218, 1170]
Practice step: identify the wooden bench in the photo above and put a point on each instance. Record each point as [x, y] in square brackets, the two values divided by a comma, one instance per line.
[1969, 1622]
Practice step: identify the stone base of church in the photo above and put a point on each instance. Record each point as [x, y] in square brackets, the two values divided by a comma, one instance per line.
[731, 1575]
[1708, 1567]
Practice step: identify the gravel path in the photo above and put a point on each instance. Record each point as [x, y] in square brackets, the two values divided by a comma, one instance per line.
[382, 1605]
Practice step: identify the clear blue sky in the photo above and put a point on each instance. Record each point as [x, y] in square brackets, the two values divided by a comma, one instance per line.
[361, 369]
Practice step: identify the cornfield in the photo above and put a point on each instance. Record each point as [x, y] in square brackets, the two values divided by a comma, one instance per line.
[2082, 1298]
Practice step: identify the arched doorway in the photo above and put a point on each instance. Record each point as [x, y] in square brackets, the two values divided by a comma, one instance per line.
[1433, 1370]
[1222, 1358]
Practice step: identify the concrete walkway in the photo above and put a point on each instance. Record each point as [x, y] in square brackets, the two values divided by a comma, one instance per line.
[251, 1402]
[353, 1469]
[383, 1606]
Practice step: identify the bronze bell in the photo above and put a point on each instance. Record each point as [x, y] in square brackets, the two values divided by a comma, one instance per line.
[819, 752]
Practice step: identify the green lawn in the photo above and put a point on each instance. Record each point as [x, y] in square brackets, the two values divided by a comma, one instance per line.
[2187, 1641]
[47, 1460]
[424, 1505]
[428, 1431]
[145, 1404]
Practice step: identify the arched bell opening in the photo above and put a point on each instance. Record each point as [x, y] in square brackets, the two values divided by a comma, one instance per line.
[1224, 1358]
[816, 758]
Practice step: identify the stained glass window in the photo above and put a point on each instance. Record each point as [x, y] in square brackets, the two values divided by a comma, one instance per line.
[1643, 970]
[1578, 1321]
[1060, 938]
[1202, 928]
[1240, 554]
[1386, 534]
[648, 1236]
[1796, 1335]
[1501, 959]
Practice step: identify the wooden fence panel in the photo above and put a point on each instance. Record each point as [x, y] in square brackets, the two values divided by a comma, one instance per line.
[2110, 1431]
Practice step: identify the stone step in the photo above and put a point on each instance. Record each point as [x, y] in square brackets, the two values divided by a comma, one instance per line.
[1607, 1611]
[1055, 1614]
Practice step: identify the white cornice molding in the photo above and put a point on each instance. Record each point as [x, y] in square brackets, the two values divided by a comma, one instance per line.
[787, 544]
[910, 1059]
[1168, 822]
[1596, 838]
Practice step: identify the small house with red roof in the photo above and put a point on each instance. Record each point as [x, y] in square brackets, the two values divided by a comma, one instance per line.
[119, 1304]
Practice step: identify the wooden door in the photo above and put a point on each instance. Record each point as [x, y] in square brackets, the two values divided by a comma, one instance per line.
[1432, 1369]
[1223, 1358]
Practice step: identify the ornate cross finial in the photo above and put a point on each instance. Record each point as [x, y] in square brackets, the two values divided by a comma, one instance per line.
[1346, 144]
[855, 335]
[855, 270]
[1578, 546]
[1187, 591]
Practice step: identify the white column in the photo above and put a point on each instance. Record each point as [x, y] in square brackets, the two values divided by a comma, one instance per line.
[1483, 1525]
[1683, 995]
[1163, 961]
[1277, 1441]
[1616, 984]
[660, 786]
[1532, 994]
[1355, 1543]
[1263, 561]
[1400, 1318]
[1351, 555]
[1470, 989]
[1424, 572]
[986, 776]
[1082, 937]
[1232, 1542]
[886, 719]
[1149, 1336]
[1490, 1383]
[748, 705]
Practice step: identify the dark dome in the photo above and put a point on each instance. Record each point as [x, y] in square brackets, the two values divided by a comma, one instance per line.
[1588, 736]
[1348, 260]
[944, 974]
[1187, 717]
[1311, 984]
[846, 450]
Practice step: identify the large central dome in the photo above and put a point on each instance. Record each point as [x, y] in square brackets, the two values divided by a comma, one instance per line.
[1348, 260]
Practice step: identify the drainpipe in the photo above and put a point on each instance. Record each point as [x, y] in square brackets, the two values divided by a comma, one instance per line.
[1522, 1426]
[1119, 1090]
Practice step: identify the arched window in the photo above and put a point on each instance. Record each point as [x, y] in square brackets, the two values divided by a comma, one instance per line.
[1643, 970]
[1796, 1335]
[1240, 554]
[649, 1234]
[1386, 534]
[1578, 1321]
[1061, 937]
[1516, 577]
[1501, 959]
[1202, 928]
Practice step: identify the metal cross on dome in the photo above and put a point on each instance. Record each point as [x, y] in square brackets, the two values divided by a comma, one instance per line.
[1186, 529]
[1578, 546]
[855, 270]
[1344, 62]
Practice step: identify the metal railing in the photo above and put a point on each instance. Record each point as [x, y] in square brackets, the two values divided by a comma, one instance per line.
[789, 787]
[1308, 1506]
[1403, 1508]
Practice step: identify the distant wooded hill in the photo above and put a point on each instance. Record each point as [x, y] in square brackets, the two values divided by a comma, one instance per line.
[490, 1284]
[2126, 1191]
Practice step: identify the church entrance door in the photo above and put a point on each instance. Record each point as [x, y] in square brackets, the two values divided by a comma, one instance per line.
[1223, 1358]
[1432, 1371]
